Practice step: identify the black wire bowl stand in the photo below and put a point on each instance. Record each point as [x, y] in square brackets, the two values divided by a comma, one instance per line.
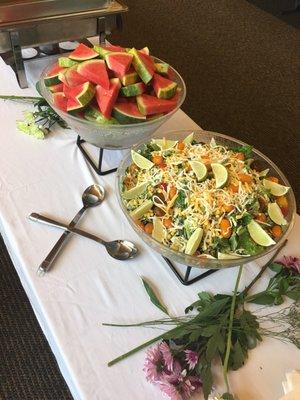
[96, 168]
[185, 279]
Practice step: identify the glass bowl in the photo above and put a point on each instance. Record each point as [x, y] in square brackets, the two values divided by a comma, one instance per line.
[114, 136]
[198, 261]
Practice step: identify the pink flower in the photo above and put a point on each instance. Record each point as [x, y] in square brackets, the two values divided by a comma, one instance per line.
[191, 358]
[154, 364]
[167, 355]
[290, 262]
[180, 387]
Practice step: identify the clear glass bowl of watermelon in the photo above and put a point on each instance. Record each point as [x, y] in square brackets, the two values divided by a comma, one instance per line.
[201, 261]
[118, 136]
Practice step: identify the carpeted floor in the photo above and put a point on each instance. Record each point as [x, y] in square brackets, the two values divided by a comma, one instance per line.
[240, 65]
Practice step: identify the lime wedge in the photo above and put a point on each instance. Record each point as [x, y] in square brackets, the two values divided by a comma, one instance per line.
[135, 191]
[224, 256]
[158, 232]
[142, 209]
[189, 138]
[164, 143]
[140, 161]
[259, 235]
[194, 242]
[199, 169]
[275, 214]
[220, 173]
[275, 188]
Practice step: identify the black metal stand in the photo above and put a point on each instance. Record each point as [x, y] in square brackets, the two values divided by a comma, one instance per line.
[185, 280]
[96, 168]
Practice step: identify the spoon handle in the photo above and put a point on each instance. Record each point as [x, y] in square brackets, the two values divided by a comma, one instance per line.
[47, 264]
[48, 221]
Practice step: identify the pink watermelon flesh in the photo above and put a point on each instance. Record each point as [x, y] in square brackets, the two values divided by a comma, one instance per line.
[56, 88]
[148, 61]
[72, 92]
[160, 82]
[119, 62]
[83, 52]
[129, 108]
[73, 78]
[113, 48]
[95, 71]
[107, 98]
[73, 105]
[144, 50]
[55, 70]
[149, 105]
[60, 101]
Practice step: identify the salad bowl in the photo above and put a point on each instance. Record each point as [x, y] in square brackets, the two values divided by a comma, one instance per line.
[109, 136]
[203, 259]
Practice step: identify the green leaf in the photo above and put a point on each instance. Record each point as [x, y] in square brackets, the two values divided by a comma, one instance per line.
[154, 299]
[263, 298]
[227, 396]
[180, 200]
[246, 150]
[276, 267]
[294, 294]
[207, 380]
[209, 330]
[211, 347]
[237, 356]
[214, 308]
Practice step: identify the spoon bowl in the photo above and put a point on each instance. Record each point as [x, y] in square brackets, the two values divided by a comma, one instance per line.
[121, 249]
[93, 196]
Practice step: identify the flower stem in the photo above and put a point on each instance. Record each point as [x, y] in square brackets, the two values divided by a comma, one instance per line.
[231, 315]
[257, 277]
[142, 346]
[21, 98]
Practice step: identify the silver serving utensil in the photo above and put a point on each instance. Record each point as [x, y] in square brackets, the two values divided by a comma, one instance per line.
[119, 249]
[91, 197]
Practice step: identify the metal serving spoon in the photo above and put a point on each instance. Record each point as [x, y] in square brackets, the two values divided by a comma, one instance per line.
[91, 197]
[119, 249]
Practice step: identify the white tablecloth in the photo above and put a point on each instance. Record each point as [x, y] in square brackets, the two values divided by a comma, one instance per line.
[87, 287]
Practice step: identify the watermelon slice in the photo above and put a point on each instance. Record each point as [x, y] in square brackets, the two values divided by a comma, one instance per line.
[71, 77]
[95, 71]
[105, 49]
[52, 78]
[129, 78]
[107, 98]
[119, 62]
[66, 62]
[93, 114]
[143, 64]
[133, 90]
[82, 53]
[162, 68]
[73, 106]
[60, 101]
[163, 87]
[56, 88]
[127, 113]
[152, 105]
[145, 50]
[83, 93]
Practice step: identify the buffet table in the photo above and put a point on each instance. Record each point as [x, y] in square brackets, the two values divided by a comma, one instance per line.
[86, 287]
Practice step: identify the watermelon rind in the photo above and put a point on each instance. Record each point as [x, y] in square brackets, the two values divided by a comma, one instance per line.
[125, 117]
[51, 80]
[140, 67]
[149, 105]
[133, 90]
[101, 51]
[129, 78]
[162, 68]
[87, 53]
[87, 93]
[66, 62]
[164, 88]
[94, 115]
[71, 77]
